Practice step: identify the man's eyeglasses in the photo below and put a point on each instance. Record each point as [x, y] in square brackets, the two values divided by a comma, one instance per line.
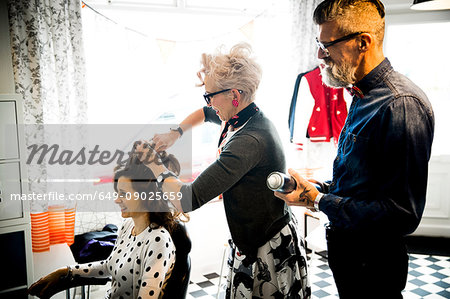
[324, 46]
[209, 96]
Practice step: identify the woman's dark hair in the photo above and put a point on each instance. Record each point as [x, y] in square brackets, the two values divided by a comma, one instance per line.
[143, 181]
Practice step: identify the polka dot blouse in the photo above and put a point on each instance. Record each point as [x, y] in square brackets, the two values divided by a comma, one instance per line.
[139, 265]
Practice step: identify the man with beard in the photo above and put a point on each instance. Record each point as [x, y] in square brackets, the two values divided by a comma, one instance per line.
[377, 194]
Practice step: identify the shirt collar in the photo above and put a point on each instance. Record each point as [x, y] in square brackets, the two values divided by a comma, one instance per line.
[355, 91]
[370, 80]
[243, 116]
[239, 119]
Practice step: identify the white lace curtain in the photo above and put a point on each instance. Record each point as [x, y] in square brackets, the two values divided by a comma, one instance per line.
[304, 31]
[48, 60]
[49, 73]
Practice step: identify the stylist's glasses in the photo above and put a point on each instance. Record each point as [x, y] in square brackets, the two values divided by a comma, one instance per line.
[209, 96]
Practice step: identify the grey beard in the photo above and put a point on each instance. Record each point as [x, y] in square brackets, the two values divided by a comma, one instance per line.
[338, 76]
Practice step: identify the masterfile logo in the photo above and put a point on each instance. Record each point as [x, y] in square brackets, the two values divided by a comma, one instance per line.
[76, 163]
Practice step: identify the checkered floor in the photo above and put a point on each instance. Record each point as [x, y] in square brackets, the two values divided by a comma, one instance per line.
[429, 277]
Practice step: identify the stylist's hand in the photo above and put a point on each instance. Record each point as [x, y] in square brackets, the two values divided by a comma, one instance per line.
[43, 286]
[303, 196]
[166, 140]
[145, 151]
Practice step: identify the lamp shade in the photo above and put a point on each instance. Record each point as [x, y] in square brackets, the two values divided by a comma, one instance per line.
[430, 4]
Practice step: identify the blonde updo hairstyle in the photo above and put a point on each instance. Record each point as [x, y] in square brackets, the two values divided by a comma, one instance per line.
[237, 69]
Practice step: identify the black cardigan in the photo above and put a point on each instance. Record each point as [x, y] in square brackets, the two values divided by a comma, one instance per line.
[253, 213]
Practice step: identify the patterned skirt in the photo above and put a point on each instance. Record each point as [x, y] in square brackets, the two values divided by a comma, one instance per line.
[280, 269]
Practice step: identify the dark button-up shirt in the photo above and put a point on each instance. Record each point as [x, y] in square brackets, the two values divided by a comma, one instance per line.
[381, 169]
[253, 212]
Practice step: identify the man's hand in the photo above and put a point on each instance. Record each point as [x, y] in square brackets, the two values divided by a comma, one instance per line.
[304, 195]
[164, 141]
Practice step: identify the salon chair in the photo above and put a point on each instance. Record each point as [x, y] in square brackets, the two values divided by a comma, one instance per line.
[178, 282]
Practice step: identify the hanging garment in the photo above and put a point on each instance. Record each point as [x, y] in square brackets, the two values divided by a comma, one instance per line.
[94, 246]
[329, 109]
[316, 117]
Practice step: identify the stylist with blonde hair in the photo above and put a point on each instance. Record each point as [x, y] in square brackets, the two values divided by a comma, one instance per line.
[267, 255]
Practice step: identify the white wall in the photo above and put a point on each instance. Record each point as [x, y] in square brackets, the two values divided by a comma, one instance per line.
[436, 216]
[209, 234]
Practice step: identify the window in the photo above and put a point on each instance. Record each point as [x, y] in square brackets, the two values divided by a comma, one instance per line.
[142, 62]
[419, 51]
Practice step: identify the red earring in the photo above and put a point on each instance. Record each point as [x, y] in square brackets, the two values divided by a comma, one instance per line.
[235, 103]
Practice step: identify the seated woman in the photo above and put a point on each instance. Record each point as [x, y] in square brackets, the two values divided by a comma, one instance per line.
[144, 254]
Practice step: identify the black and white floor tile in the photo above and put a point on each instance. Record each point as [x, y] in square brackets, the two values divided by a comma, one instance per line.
[207, 286]
[429, 278]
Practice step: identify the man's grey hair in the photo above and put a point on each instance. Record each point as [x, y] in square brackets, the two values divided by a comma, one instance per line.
[353, 16]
